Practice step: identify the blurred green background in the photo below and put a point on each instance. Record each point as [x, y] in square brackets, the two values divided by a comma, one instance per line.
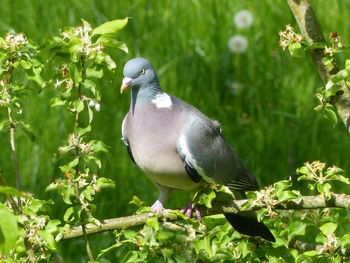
[263, 98]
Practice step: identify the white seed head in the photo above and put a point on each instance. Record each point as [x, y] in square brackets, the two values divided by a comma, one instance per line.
[238, 44]
[243, 19]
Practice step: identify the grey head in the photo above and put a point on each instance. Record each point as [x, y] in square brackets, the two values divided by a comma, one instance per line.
[139, 73]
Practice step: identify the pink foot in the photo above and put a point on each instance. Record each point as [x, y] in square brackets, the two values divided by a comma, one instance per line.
[157, 207]
[188, 209]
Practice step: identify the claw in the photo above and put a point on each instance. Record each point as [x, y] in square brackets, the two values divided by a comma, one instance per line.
[188, 209]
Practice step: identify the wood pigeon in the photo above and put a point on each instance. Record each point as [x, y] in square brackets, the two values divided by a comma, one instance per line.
[178, 147]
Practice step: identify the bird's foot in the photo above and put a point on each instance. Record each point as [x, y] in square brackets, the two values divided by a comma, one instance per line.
[157, 207]
[188, 209]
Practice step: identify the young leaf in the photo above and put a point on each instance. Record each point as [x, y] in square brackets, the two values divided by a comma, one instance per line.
[295, 49]
[110, 27]
[35, 75]
[66, 168]
[49, 240]
[4, 124]
[153, 222]
[78, 105]
[57, 102]
[94, 73]
[136, 201]
[109, 40]
[98, 146]
[104, 182]
[8, 190]
[324, 189]
[297, 228]
[328, 228]
[329, 114]
[8, 229]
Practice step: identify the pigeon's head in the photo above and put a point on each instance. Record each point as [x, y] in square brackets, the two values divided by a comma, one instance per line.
[138, 72]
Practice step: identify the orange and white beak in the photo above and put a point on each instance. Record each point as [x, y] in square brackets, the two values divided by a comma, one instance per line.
[125, 84]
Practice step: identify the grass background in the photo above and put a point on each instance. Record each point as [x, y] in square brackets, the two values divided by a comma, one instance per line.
[270, 122]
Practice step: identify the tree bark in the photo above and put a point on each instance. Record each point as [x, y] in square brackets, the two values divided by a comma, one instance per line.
[305, 202]
[311, 32]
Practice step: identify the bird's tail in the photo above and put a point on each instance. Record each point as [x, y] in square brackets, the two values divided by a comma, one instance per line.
[246, 222]
[249, 225]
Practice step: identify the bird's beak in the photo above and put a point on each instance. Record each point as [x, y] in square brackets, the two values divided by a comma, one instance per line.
[125, 84]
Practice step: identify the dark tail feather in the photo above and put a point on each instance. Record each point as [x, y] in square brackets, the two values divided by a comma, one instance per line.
[249, 226]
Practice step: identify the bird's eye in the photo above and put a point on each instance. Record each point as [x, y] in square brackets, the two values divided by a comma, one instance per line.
[142, 71]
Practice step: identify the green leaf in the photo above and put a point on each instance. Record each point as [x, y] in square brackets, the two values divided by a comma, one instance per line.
[67, 193]
[4, 124]
[110, 27]
[66, 168]
[49, 240]
[328, 228]
[204, 244]
[52, 226]
[103, 58]
[8, 229]
[78, 105]
[303, 170]
[327, 61]
[205, 198]
[25, 64]
[295, 49]
[68, 215]
[94, 73]
[329, 114]
[130, 257]
[109, 40]
[88, 193]
[341, 74]
[340, 178]
[281, 190]
[8, 190]
[332, 171]
[104, 182]
[136, 201]
[81, 131]
[153, 222]
[98, 146]
[35, 75]
[75, 72]
[347, 64]
[297, 228]
[287, 195]
[72, 213]
[57, 102]
[345, 240]
[165, 234]
[324, 189]
[91, 115]
[90, 85]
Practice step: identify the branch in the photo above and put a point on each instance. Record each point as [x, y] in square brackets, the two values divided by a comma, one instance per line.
[305, 202]
[311, 32]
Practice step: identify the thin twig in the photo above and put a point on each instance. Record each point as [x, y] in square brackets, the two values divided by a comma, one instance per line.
[13, 148]
[77, 191]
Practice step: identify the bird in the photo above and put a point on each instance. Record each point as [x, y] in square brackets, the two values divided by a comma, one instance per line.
[178, 147]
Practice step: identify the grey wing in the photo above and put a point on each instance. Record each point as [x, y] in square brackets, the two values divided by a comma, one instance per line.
[126, 141]
[202, 147]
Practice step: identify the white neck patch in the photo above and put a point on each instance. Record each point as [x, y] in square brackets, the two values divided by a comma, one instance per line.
[162, 100]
